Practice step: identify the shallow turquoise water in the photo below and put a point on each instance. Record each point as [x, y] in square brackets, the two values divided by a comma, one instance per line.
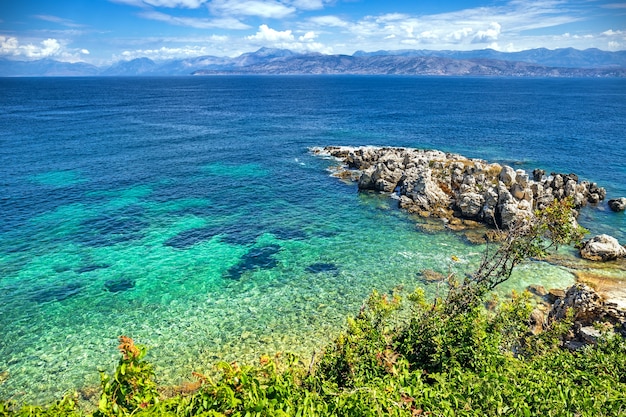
[189, 214]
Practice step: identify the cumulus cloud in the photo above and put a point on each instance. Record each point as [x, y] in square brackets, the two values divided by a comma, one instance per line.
[198, 23]
[10, 46]
[285, 39]
[488, 35]
[459, 35]
[266, 33]
[309, 36]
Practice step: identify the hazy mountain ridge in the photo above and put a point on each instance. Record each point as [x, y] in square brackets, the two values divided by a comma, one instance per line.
[567, 62]
[564, 57]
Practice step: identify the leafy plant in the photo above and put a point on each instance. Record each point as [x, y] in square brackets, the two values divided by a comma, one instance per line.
[132, 387]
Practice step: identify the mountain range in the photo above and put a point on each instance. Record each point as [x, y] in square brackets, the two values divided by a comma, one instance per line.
[566, 62]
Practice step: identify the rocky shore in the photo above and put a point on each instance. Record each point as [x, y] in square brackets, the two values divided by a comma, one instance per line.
[464, 191]
[445, 185]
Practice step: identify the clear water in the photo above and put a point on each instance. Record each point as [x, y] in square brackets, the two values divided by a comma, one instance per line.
[188, 214]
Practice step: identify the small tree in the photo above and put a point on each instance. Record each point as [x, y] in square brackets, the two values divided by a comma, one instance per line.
[529, 237]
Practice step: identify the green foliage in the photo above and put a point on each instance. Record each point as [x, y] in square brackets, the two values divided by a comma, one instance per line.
[363, 352]
[410, 357]
[67, 406]
[526, 238]
[132, 387]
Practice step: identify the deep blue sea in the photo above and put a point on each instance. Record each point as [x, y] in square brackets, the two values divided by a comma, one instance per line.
[189, 214]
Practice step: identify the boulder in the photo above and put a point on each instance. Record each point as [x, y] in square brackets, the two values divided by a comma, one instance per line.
[418, 185]
[590, 313]
[489, 208]
[586, 303]
[366, 182]
[618, 204]
[385, 178]
[602, 248]
[470, 204]
[508, 175]
[517, 191]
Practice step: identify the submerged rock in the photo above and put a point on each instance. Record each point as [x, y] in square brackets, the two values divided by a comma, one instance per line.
[57, 293]
[617, 204]
[602, 248]
[323, 267]
[119, 285]
[257, 258]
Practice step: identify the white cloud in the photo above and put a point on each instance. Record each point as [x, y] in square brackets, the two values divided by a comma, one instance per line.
[266, 33]
[186, 4]
[264, 9]
[267, 36]
[459, 35]
[165, 53]
[515, 22]
[309, 4]
[330, 21]
[198, 23]
[614, 46]
[488, 35]
[11, 46]
[307, 37]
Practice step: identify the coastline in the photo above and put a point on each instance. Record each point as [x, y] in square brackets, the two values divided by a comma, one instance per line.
[475, 198]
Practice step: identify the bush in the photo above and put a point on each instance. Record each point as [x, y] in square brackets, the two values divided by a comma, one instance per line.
[413, 357]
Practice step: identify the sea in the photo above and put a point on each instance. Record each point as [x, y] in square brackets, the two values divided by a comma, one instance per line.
[189, 213]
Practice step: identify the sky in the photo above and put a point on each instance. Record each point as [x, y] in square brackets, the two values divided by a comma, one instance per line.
[104, 31]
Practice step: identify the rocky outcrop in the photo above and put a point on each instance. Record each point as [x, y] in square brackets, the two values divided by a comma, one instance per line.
[617, 204]
[446, 185]
[590, 312]
[602, 248]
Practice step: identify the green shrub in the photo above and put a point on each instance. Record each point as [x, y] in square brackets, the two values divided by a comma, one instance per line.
[132, 387]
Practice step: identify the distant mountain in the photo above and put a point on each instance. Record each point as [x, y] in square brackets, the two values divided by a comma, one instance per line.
[409, 65]
[565, 57]
[566, 62]
[46, 68]
[139, 66]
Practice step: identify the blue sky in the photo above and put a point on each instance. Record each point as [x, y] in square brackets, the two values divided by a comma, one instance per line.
[103, 31]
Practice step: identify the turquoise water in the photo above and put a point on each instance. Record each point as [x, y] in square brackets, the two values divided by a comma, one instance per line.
[188, 213]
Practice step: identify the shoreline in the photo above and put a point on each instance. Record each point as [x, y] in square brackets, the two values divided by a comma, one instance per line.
[469, 196]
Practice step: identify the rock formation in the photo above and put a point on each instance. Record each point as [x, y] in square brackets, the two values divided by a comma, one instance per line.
[446, 185]
[590, 312]
[602, 248]
[617, 204]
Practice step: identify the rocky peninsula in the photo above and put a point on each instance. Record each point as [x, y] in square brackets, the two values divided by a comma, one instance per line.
[464, 192]
[433, 183]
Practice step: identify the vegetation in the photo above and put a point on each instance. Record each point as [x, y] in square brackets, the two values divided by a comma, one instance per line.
[404, 356]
